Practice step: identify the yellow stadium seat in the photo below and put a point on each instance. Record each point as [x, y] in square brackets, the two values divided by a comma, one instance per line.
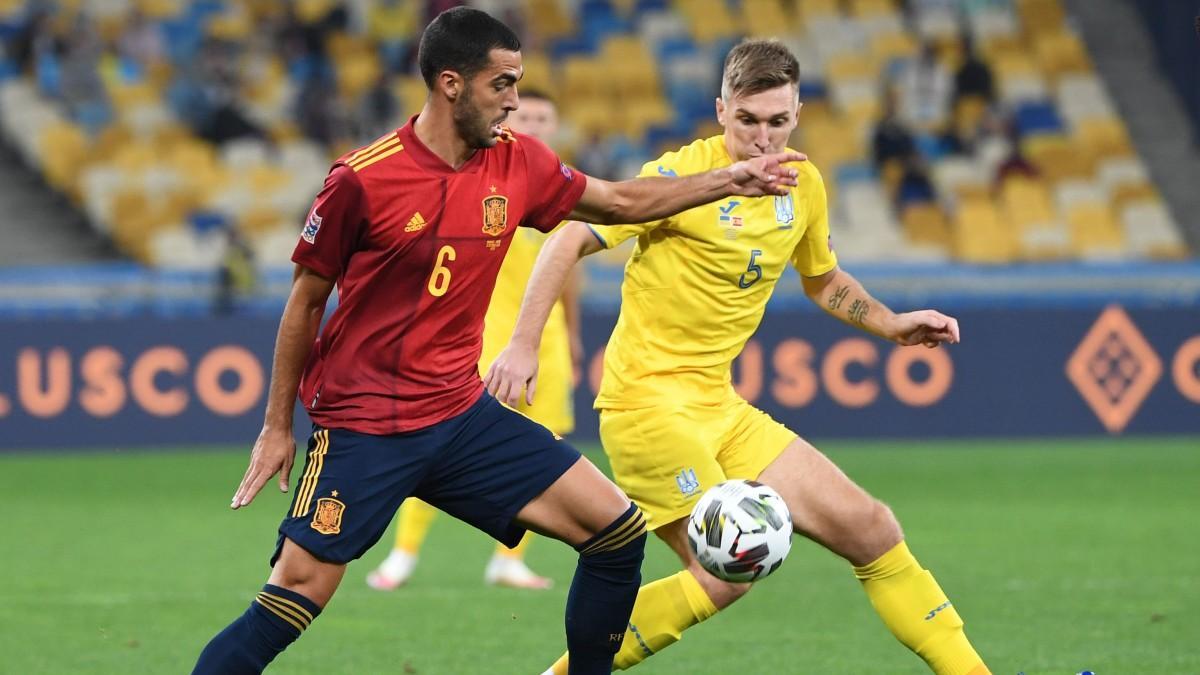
[1009, 64]
[548, 20]
[357, 73]
[231, 26]
[1040, 16]
[869, 8]
[411, 93]
[1094, 230]
[64, 153]
[125, 96]
[765, 18]
[925, 223]
[1057, 157]
[538, 74]
[160, 9]
[1060, 53]
[710, 20]
[1130, 193]
[259, 219]
[831, 143]
[1104, 137]
[851, 66]
[979, 234]
[888, 46]
[1026, 202]
[583, 77]
[394, 21]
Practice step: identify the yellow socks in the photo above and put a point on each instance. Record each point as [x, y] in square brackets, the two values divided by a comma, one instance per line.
[518, 551]
[663, 610]
[915, 609]
[413, 524]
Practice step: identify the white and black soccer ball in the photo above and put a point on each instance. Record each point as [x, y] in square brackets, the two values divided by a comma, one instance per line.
[740, 530]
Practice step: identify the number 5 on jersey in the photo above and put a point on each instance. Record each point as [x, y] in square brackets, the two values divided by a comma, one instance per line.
[752, 268]
[439, 281]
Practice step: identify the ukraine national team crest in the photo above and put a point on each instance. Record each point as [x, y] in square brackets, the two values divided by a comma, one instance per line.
[495, 215]
[687, 482]
[327, 518]
[311, 227]
[785, 209]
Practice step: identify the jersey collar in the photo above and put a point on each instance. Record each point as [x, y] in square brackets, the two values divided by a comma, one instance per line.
[426, 158]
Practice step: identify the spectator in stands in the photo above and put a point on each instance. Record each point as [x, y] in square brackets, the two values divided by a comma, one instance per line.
[925, 88]
[974, 76]
[208, 97]
[915, 185]
[237, 276]
[1016, 164]
[80, 87]
[892, 140]
[378, 111]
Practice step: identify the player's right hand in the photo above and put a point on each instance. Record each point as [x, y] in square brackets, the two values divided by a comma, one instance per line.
[516, 368]
[273, 453]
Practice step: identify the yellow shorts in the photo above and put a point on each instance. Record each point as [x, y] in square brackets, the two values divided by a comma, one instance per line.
[554, 399]
[664, 457]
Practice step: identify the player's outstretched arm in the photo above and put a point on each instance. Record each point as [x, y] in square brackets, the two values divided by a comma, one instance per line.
[644, 199]
[275, 449]
[840, 294]
[516, 367]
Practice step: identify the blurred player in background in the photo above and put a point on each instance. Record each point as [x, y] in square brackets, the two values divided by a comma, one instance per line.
[412, 231]
[695, 289]
[558, 363]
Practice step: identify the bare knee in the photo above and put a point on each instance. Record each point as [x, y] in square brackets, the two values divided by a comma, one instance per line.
[722, 593]
[875, 531]
[297, 570]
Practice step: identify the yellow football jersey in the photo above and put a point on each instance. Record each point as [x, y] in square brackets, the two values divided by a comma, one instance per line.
[697, 283]
[553, 406]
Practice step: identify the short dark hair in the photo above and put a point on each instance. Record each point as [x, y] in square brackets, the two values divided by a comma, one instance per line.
[535, 94]
[755, 66]
[461, 39]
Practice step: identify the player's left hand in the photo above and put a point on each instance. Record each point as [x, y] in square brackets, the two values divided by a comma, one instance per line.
[924, 327]
[516, 368]
[765, 175]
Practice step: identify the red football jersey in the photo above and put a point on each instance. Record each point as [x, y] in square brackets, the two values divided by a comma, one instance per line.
[415, 247]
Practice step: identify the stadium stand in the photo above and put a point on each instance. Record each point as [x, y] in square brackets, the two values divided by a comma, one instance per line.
[180, 127]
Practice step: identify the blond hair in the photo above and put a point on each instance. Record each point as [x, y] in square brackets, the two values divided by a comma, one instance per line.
[755, 66]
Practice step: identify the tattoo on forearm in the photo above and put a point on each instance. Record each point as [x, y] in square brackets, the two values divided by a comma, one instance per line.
[858, 311]
[835, 301]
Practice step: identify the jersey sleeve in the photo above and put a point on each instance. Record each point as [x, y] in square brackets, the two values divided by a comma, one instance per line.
[611, 236]
[814, 254]
[332, 229]
[554, 188]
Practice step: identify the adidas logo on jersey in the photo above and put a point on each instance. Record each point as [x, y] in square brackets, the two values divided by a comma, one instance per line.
[415, 223]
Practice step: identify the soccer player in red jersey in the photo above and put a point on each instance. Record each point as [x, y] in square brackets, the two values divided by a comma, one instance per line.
[412, 230]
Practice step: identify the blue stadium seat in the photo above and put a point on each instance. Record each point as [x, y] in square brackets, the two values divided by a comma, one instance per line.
[1037, 118]
[855, 172]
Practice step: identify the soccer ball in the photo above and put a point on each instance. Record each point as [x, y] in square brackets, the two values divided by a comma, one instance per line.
[740, 530]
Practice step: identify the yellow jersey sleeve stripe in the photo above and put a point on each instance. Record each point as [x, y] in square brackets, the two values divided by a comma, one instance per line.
[363, 152]
[281, 614]
[597, 235]
[376, 158]
[304, 615]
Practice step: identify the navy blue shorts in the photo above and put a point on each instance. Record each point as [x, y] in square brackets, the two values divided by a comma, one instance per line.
[482, 466]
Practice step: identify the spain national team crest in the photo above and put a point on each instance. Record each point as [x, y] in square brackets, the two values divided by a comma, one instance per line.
[327, 518]
[495, 215]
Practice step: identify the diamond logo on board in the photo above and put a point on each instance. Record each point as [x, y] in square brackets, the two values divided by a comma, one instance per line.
[1114, 368]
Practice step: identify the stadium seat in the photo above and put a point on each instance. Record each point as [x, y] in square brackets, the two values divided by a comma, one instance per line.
[1151, 232]
[64, 151]
[1061, 53]
[979, 234]
[765, 18]
[927, 224]
[1056, 157]
[1094, 232]
[1040, 16]
[1026, 203]
[1104, 137]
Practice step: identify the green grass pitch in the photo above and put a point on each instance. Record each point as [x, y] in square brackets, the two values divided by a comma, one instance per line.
[1061, 555]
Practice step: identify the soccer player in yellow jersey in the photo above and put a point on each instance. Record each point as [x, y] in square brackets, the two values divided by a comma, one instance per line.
[695, 289]
[558, 357]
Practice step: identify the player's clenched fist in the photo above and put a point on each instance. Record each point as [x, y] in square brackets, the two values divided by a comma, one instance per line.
[514, 369]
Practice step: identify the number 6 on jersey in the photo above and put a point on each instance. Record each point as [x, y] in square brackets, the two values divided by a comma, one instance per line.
[439, 281]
